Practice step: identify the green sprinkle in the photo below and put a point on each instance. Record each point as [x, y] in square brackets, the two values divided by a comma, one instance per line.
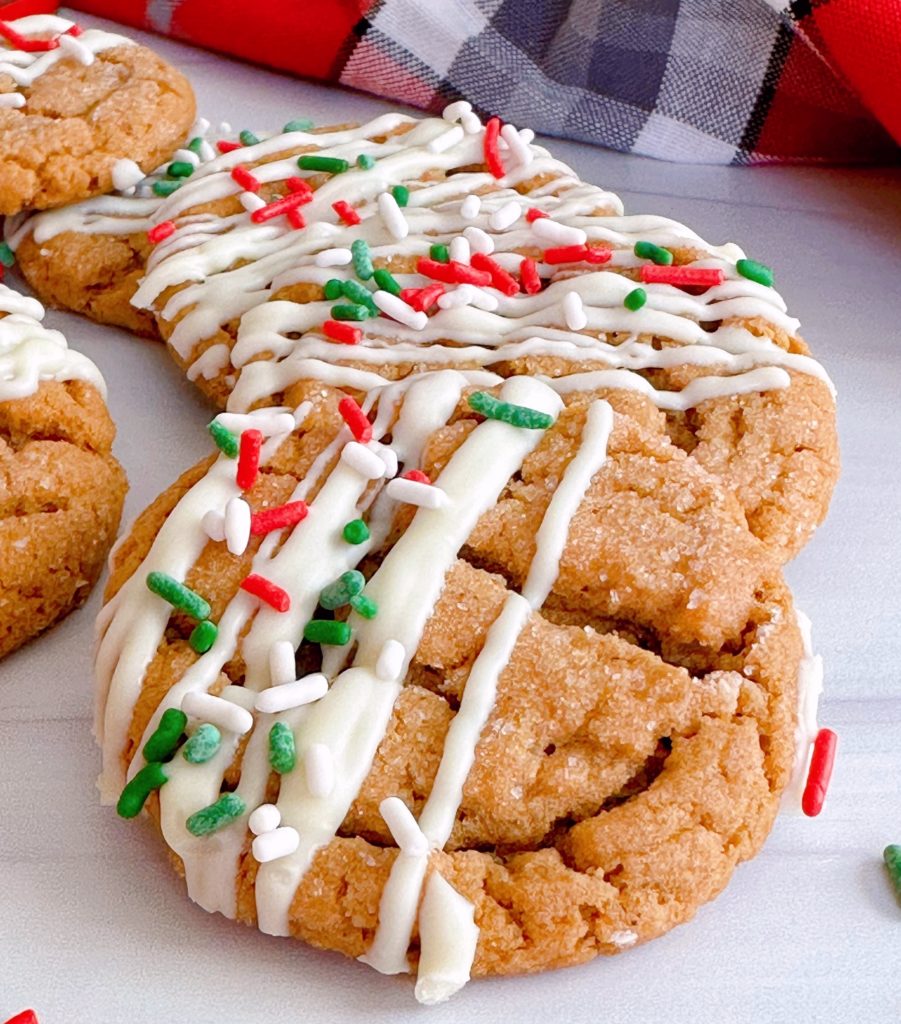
[439, 253]
[327, 631]
[166, 188]
[224, 439]
[892, 856]
[164, 741]
[203, 636]
[195, 144]
[135, 794]
[339, 593]
[365, 161]
[180, 169]
[635, 299]
[516, 415]
[334, 289]
[299, 124]
[282, 751]
[401, 194]
[755, 271]
[354, 291]
[355, 532]
[346, 312]
[649, 251]
[330, 164]
[362, 260]
[247, 138]
[178, 595]
[7, 256]
[385, 280]
[364, 606]
[228, 808]
[202, 745]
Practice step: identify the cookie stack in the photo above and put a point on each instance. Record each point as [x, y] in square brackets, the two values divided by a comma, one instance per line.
[467, 650]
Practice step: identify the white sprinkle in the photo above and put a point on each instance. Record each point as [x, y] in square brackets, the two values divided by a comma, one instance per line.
[471, 123]
[397, 309]
[460, 296]
[414, 492]
[126, 174]
[237, 525]
[454, 111]
[267, 422]
[12, 99]
[459, 249]
[518, 147]
[505, 217]
[225, 128]
[482, 300]
[403, 827]
[388, 455]
[320, 768]
[574, 312]
[301, 412]
[187, 156]
[200, 127]
[281, 663]
[527, 135]
[363, 460]
[292, 695]
[393, 216]
[206, 152]
[220, 712]
[333, 258]
[479, 240]
[272, 845]
[547, 230]
[266, 818]
[470, 207]
[76, 49]
[251, 201]
[445, 140]
[213, 524]
[391, 660]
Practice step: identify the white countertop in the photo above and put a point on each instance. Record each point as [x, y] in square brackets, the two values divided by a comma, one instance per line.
[95, 929]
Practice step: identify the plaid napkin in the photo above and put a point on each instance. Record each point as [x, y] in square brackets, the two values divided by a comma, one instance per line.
[706, 81]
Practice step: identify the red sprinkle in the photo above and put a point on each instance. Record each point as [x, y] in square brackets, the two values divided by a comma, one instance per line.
[492, 150]
[417, 475]
[75, 30]
[533, 214]
[224, 146]
[245, 179]
[25, 1017]
[248, 459]
[346, 212]
[453, 272]
[500, 279]
[576, 254]
[356, 419]
[280, 206]
[160, 232]
[821, 762]
[684, 277]
[528, 274]
[343, 332]
[422, 299]
[295, 218]
[266, 591]
[297, 184]
[269, 519]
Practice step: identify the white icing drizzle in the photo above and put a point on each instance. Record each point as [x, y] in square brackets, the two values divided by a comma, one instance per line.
[446, 927]
[810, 687]
[31, 353]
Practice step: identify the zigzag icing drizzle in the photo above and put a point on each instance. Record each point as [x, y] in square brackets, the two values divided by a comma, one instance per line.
[30, 353]
[199, 259]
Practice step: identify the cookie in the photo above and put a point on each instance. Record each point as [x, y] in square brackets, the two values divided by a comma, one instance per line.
[481, 680]
[363, 254]
[73, 103]
[61, 490]
[88, 257]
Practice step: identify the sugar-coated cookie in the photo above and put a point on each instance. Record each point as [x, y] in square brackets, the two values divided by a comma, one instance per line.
[74, 103]
[358, 255]
[61, 490]
[475, 679]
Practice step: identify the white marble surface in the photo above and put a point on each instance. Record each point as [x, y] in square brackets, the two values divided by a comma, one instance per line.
[93, 927]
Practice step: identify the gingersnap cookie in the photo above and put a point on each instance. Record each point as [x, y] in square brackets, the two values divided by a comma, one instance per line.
[88, 257]
[471, 680]
[359, 255]
[73, 104]
[61, 490]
